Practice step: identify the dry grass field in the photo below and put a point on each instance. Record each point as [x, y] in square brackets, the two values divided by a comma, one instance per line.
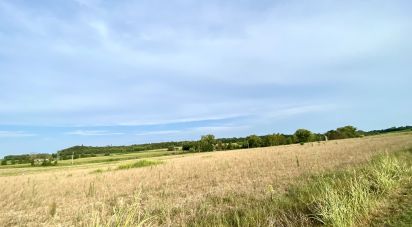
[171, 193]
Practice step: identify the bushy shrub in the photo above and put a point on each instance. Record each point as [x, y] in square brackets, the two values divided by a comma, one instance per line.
[171, 148]
[254, 141]
[206, 143]
[189, 146]
[342, 133]
[302, 135]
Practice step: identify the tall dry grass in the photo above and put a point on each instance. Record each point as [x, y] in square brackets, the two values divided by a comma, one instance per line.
[173, 192]
[338, 198]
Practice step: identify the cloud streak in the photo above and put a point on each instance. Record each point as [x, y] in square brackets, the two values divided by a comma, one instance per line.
[15, 134]
[93, 133]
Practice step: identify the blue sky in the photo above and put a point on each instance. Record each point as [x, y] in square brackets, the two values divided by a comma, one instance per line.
[97, 72]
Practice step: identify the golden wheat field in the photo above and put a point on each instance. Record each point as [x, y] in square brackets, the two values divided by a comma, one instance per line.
[172, 192]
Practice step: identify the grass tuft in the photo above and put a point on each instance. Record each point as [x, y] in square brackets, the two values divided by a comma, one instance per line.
[344, 198]
[53, 209]
[125, 215]
[97, 171]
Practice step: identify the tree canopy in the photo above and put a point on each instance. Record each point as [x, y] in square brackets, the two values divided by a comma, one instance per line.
[206, 143]
[302, 135]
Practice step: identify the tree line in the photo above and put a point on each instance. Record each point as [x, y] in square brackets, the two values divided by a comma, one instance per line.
[32, 159]
[210, 143]
[89, 151]
[205, 144]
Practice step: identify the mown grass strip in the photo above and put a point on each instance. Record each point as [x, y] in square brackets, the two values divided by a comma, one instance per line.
[139, 164]
[342, 198]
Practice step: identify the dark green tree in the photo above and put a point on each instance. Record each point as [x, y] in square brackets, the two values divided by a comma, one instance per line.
[189, 146]
[342, 133]
[254, 141]
[290, 140]
[348, 131]
[220, 146]
[206, 143]
[279, 139]
[269, 140]
[334, 135]
[302, 135]
[171, 148]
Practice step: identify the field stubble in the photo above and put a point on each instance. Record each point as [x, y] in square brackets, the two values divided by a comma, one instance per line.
[174, 190]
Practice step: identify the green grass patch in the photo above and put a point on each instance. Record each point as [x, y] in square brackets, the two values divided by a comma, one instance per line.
[139, 164]
[120, 157]
[397, 211]
[97, 171]
[341, 198]
[397, 208]
[403, 219]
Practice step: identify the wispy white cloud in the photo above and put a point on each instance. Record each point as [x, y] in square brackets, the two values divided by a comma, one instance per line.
[93, 133]
[218, 129]
[165, 121]
[162, 132]
[291, 111]
[15, 134]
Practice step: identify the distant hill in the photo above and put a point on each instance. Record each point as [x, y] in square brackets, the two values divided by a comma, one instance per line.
[392, 129]
[89, 151]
